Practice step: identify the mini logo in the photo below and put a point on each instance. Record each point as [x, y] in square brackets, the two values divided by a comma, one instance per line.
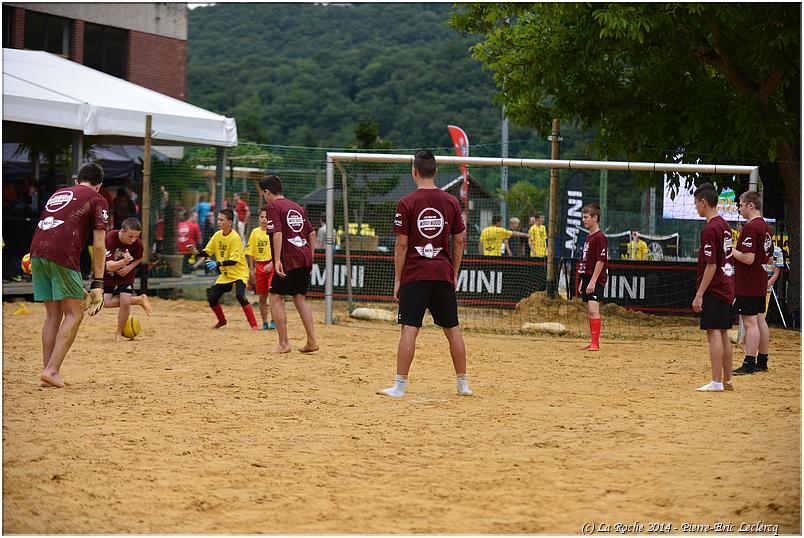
[728, 269]
[748, 242]
[295, 220]
[49, 223]
[430, 223]
[105, 215]
[707, 250]
[768, 246]
[59, 201]
[428, 251]
[297, 240]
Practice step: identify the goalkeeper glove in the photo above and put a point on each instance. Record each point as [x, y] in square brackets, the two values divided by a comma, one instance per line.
[93, 301]
[212, 264]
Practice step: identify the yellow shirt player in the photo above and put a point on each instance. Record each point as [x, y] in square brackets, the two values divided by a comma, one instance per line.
[537, 238]
[230, 260]
[261, 265]
[492, 238]
[637, 248]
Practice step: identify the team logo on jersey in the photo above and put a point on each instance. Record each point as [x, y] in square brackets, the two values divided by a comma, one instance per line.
[49, 223]
[748, 242]
[428, 251]
[430, 223]
[768, 246]
[727, 244]
[295, 220]
[105, 215]
[398, 219]
[297, 241]
[707, 251]
[728, 269]
[59, 201]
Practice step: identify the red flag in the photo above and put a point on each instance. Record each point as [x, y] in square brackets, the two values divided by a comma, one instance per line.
[461, 143]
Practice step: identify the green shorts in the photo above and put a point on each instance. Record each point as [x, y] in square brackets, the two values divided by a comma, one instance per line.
[54, 282]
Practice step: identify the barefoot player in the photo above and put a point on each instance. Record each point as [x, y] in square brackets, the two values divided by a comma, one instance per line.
[715, 287]
[60, 235]
[227, 248]
[292, 240]
[426, 271]
[123, 253]
[593, 271]
[260, 265]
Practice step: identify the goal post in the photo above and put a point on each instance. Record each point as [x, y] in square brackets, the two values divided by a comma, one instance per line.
[335, 160]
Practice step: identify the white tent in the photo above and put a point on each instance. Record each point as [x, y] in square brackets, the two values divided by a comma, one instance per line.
[44, 89]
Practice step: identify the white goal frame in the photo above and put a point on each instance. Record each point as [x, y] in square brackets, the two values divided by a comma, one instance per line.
[335, 158]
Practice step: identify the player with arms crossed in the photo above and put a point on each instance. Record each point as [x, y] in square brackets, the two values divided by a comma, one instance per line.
[715, 287]
[123, 253]
[292, 239]
[56, 247]
[227, 248]
[754, 249]
[593, 271]
[260, 265]
[425, 274]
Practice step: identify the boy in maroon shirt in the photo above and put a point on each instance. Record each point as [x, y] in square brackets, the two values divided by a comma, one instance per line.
[593, 271]
[124, 253]
[292, 240]
[715, 287]
[425, 273]
[68, 217]
[754, 248]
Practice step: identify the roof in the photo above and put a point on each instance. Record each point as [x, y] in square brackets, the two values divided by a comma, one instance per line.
[44, 89]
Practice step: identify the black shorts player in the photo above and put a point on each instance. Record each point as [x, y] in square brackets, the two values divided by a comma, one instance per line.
[437, 296]
[596, 295]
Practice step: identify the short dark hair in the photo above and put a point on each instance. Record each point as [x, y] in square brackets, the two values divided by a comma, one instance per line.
[752, 197]
[707, 193]
[131, 223]
[228, 213]
[263, 208]
[496, 219]
[592, 209]
[272, 184]
[538, 215]
[91, 173]
[425, 164]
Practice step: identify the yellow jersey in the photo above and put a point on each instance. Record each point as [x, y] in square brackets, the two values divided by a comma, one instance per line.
[492, 239]
[538, 236]
[637, 250]
[259, 245]
[228, 247]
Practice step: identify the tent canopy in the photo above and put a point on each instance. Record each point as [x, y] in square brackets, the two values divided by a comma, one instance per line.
[44, 89]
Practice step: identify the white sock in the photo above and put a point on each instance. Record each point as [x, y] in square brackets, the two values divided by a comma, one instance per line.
[712, 386]
[399, 388]
[463, 385]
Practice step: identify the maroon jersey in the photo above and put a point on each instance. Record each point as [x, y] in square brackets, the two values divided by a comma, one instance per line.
[65, 223]
[291, 219]
[116, 250]
[752, 280]
[716, 249]
[595, 249]
[429, 217]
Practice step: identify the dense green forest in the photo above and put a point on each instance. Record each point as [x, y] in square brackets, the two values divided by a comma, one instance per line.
[306, 74]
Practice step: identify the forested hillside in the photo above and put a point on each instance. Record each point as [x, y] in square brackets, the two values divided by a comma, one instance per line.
[306, 74]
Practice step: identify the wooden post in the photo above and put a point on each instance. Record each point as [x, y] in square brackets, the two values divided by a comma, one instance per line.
[551, 224]
[146, 207]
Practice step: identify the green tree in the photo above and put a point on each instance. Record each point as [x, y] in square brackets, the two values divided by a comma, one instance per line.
[524, 200]
[716, 82]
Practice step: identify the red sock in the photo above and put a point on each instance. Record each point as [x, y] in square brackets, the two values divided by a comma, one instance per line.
[250, 315]
[219, 312]
[594, 326]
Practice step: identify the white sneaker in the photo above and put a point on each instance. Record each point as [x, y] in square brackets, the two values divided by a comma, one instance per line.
[463, 388]
[393, 392]
[711, 387]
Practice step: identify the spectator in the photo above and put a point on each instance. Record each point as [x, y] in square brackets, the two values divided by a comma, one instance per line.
[203, 208]
[122, 208]
[321, 234]
[637, 248]
[188, 234]
[517, 242]
[537, 237]
[494, 238]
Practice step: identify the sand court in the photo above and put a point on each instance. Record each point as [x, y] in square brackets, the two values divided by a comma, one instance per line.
[189, 430]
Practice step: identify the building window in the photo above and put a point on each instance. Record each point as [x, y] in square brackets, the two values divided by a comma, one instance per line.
[105, 49]
[48, 33]
[8, 25]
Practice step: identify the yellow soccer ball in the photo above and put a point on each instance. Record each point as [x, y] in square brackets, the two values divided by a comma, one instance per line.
[131, 328]
[26, 264]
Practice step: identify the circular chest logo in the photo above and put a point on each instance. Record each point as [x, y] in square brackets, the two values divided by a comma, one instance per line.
[430, 223]
[295, 220]
[59, 201]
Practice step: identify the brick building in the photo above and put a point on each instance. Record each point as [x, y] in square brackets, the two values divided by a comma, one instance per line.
[143, 43]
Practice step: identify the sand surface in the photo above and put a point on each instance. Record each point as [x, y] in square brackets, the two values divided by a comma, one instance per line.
[193, 431]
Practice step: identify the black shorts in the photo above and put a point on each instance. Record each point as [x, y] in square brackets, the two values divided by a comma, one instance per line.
[118, 289]
[437, 296]
[749, 306]
[294, 283]
[715, 313]
[598, 293]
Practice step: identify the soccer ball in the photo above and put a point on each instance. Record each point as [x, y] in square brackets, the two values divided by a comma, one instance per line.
[26, 264]
[131, 328]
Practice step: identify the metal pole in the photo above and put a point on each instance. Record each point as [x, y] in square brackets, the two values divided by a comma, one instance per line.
[604, 191]
[329, 242]
[504, 170]
[553, 210]
[346, 242]
[220, 177]
[146, 205]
